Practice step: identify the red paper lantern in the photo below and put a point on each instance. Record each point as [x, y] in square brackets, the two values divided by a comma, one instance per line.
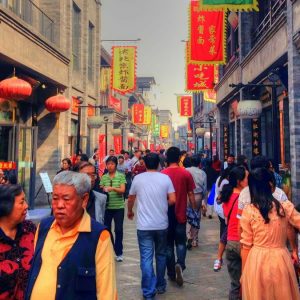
[15, 89]
[57, 104]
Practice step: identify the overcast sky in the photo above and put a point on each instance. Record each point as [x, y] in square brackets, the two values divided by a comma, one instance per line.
[161, 24]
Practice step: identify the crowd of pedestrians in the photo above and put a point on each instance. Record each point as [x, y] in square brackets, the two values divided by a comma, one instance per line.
[72, 254]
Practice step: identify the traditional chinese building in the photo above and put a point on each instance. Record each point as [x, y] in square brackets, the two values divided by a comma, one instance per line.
[263, 50]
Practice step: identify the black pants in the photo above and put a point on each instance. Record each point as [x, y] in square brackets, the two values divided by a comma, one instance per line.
[222, 225]
[118, 216]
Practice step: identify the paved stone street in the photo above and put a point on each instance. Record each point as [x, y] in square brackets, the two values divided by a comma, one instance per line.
[201, 282]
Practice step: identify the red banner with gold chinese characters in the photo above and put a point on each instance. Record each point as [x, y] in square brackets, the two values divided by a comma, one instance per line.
[124, 69]
[185, 106]
[138, 113]
[207, 36]
[115, 103]
[199, 77]
[164, 131]
[117, 143]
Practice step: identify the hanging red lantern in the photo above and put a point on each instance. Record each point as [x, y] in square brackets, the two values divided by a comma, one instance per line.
[57, 104]
[15, 88]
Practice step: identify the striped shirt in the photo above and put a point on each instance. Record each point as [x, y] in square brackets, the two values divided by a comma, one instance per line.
[115, 200]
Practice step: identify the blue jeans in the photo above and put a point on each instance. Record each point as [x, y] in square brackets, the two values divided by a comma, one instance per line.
[177, 236]
[150, 241]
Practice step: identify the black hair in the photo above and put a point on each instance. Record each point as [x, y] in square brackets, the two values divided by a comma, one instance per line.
[187, 162]
[241, 161]
[68, 160]
[147, 151]
[112, 159]
[261, 193]
[8, 192]
[161, 151]
[231, 155]
[120, 156]
[236, 174]
[84, 157]
[173, 155]
[182, 152]
[95, 149]
[122, 152]
[151, 161]
[79, 152]
[126, 152]
[259, 162]
[195, 161]
[12, 177]
[224, 175]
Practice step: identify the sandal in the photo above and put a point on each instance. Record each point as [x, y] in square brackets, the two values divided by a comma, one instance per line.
[218, 265]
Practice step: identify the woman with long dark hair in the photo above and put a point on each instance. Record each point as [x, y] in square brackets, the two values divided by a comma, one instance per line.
[238, 179]
[268, 271]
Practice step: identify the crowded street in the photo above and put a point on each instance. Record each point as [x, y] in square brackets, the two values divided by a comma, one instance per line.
[200, 278]
[149, 150]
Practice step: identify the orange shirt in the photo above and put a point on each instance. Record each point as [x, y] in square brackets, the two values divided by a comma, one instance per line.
[57, 246]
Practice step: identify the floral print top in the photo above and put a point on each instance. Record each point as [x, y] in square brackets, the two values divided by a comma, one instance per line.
[15, 258]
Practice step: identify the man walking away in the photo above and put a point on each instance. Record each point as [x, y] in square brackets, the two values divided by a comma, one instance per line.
[184, 187]
[153, 191]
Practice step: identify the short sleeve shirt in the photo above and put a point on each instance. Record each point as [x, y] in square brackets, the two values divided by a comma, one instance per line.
[115, 200]
[151, 190]
[183, 183]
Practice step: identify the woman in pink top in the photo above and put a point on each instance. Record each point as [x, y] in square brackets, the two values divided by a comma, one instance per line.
[238, 179]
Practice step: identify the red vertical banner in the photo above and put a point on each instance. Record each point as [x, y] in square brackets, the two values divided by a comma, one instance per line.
[117, 143]
[152, 147]
[185, 106]
[207, 36]
[102, 149]
[138, 113]
[115, 103]
[145, 144]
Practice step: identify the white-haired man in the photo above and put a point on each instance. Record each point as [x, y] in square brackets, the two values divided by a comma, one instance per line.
[73, 253]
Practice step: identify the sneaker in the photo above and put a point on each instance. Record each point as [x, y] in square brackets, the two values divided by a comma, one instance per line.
[179, 276]
[218, 265]
[119, 258]
[160, 291]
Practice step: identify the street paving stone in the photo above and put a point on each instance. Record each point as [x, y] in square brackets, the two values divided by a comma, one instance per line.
[201, 282]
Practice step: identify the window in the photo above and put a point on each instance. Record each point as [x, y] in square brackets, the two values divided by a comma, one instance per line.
[76, 37]
[91, 52]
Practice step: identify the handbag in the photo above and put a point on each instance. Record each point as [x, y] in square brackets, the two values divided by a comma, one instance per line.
[225, 233]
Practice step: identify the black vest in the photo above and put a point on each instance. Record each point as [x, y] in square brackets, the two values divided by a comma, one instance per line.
[76, 274]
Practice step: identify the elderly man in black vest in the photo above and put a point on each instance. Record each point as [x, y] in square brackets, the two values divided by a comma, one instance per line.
[73, 253]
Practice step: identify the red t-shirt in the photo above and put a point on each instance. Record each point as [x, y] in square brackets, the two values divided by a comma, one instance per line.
[183, 183]
[232, 229]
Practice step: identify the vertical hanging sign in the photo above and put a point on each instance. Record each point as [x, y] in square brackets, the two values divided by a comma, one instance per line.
[138, 113]
[124, 69]
[185, 106]
[255, 137]
[102, 149]
[164, 131]
[147, 115]
[117, 143]
[207, 36]
[226, 141]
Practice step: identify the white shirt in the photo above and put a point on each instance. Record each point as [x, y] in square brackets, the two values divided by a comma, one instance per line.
[218, 189]
[245, 198]
[151, 190]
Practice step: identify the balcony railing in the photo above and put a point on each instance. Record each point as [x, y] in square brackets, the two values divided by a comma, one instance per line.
[32, 15]
[277, 10]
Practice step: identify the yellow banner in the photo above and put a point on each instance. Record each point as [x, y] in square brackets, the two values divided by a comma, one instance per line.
[124, 65]
[164, 131]
[147, 115]
[105, 78]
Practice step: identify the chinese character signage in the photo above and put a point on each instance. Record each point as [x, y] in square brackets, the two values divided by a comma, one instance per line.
[8, 165]
[226, 141]
[156, 130]
[199, 77]
[117, 143]
[256, 137]
[164, 131]
[124, 69]
[75, 104]
[115, 103]
[91, 110]
[105, 79]
[147, 115]
[185, 106]
[138, 113]
[153, 122]
[233, 5]
[210, 96]
[207, 36]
